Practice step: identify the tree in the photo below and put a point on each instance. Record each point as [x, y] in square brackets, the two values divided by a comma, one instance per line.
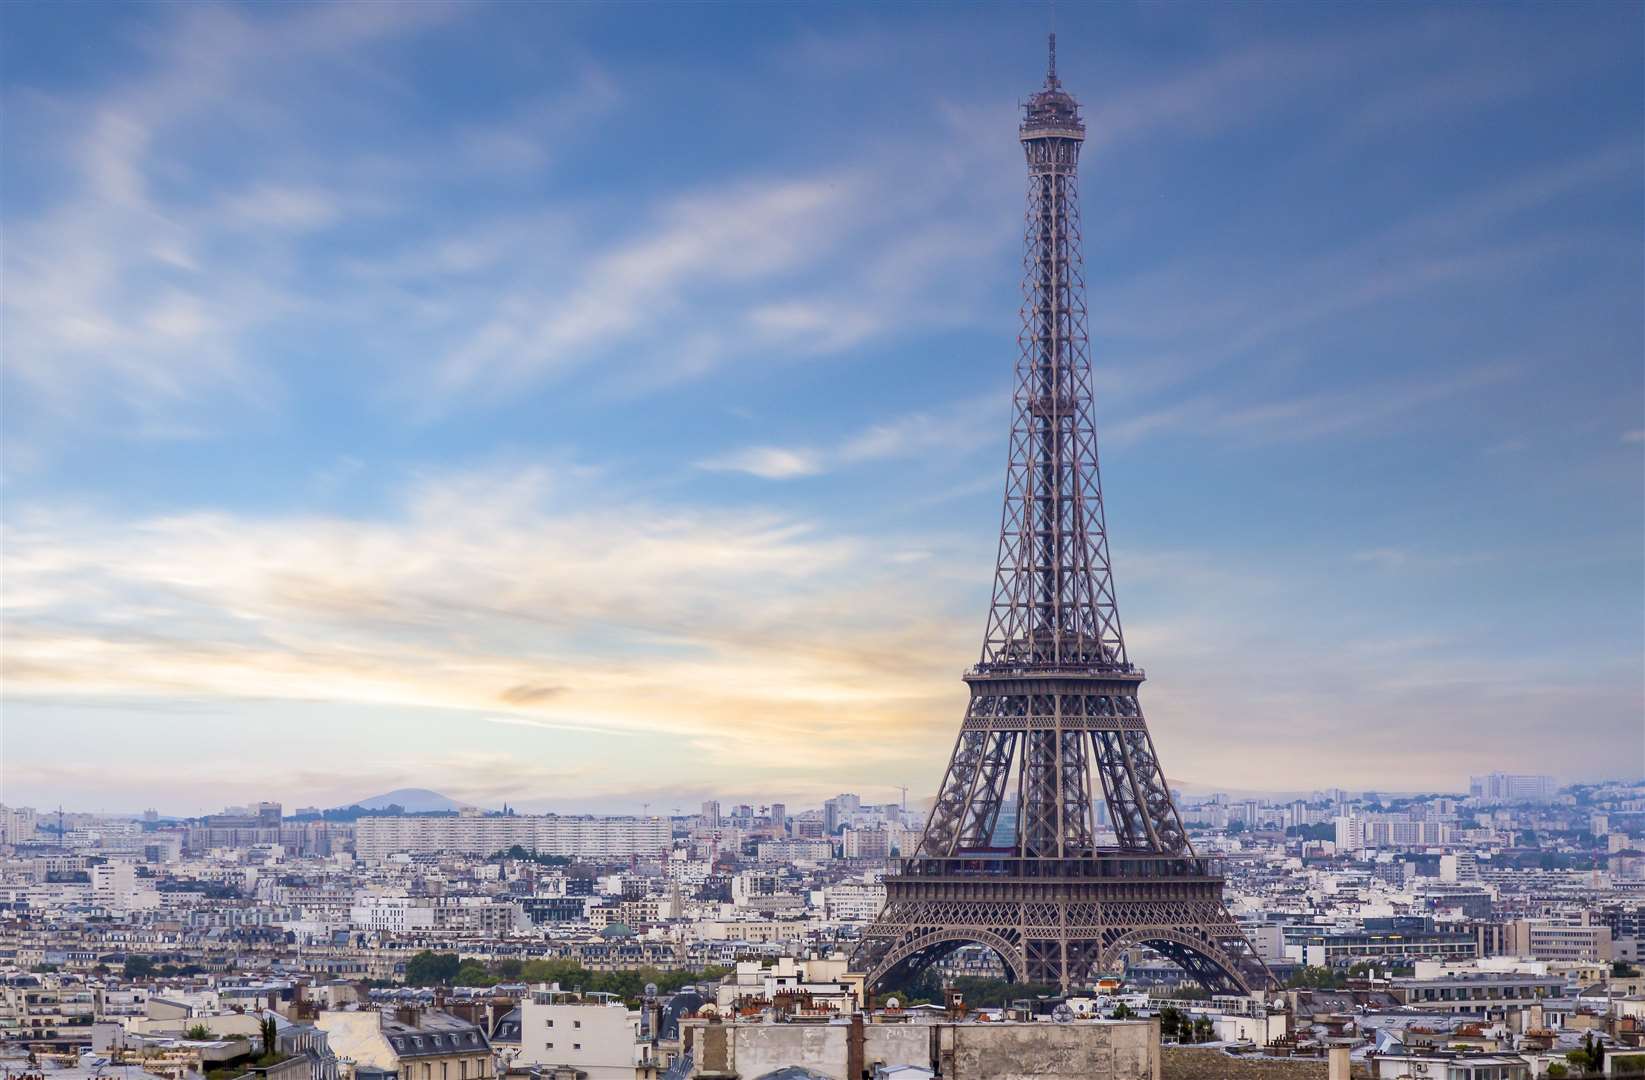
[139, 967]
[1556, 1071]
[1122, 1011]
[1589, 1057]
[1315, 978]
[197, 1032]
[1202, 1029]
[1169, 1018]
[470, 973]
[269, 1029]
[429, 968]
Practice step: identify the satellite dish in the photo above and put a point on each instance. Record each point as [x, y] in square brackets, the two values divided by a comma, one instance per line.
[650, 990]
[892, 1003]
[1062, 1014]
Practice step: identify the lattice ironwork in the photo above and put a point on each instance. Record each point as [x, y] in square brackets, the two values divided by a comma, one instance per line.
[1054, 710]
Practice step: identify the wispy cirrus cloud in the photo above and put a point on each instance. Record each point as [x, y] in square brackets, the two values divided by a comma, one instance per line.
[766, 462]
[121, 293]
[955, 429]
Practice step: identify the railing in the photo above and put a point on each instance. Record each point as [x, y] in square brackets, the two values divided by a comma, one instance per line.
[1070, 668]
[1104, 867]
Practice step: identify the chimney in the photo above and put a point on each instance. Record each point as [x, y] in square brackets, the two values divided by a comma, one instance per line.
[855, 1054]
[1336, 1064]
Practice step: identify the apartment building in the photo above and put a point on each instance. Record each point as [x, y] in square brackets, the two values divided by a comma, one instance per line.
[410, 1043]
[596, 1036]
[1575, 939]
[1477, 993]
[598, 838]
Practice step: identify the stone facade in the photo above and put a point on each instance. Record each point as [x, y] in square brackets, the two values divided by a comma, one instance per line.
[841, 1050]
[1206, 1063]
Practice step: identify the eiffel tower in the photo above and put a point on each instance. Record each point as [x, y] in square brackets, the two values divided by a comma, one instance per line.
[1054, 696]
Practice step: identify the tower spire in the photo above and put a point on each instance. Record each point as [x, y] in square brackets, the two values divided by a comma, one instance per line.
[1051, 65]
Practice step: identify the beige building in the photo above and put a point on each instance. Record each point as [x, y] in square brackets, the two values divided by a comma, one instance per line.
[1576, 939]
[377, 838]
[845, 1049]
[407, 1044]
[593, 1038]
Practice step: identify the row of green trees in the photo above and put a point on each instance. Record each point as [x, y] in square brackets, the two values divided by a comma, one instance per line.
[429, 968]
[1324, 978]
[977, 992]
[138, 966]
[520, 854]
[1181, 1026]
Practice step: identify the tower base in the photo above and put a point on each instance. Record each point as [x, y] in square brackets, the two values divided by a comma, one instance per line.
[1057, 923]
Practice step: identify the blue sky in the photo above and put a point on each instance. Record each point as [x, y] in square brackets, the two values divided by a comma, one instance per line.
[598, 406]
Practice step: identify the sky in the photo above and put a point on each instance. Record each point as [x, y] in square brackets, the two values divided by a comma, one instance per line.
[604, 407]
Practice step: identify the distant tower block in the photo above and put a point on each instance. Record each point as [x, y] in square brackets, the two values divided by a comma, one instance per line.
[1054, 696]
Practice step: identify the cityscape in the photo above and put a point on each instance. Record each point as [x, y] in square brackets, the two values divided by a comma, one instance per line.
[678, 778]
[1505, 918]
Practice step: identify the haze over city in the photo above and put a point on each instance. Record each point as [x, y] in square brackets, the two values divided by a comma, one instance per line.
[552, 406]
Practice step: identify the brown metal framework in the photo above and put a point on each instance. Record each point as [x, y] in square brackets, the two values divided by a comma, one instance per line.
[1054, 695]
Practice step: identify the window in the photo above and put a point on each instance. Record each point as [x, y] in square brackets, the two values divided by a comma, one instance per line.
[551, 1023]
[548, 1046]
[576, 1046]
[576, 1023]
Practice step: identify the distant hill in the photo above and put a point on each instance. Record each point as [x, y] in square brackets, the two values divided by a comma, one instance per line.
[411, 800]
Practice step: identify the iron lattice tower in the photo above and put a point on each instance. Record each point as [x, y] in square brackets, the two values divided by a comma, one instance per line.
[1054, 695]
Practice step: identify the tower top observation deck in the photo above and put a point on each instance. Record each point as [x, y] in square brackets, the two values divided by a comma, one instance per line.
[1052, 111]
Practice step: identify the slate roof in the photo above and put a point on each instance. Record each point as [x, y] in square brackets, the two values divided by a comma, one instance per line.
[507, 1028]
[438, 1034]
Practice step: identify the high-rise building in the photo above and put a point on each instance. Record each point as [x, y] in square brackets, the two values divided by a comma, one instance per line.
[838, 812]
[711, 814]
[547, 834]
[1512, 787]
[1584, 938]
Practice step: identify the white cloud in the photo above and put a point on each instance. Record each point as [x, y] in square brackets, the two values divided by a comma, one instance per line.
[767, 462]
[956, 429]
[493, 595]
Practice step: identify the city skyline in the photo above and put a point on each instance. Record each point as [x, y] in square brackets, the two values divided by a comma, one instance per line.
[421, 802]
[417, 440]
